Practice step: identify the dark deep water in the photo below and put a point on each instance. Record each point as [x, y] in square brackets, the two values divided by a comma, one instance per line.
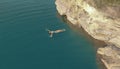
[24, 43]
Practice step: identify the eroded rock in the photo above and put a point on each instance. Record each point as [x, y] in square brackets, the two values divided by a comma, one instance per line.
[101, 20]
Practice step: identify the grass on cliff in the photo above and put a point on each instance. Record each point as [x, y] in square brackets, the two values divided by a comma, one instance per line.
[102, 3]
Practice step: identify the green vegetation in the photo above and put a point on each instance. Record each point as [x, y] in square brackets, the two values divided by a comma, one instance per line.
[102, 3]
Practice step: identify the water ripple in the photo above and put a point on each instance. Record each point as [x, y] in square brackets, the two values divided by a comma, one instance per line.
[20, 11]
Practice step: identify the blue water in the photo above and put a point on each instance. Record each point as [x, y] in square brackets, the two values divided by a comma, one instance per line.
[24, 43]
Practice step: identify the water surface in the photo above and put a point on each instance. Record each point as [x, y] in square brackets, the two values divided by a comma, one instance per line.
[24, 43]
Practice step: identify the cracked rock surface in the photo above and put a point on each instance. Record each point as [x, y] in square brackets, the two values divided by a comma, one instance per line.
[101, 20]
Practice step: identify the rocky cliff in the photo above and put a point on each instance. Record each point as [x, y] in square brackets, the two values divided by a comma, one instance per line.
[101, 20]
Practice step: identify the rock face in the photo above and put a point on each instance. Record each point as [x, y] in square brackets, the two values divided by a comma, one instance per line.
[101, 20]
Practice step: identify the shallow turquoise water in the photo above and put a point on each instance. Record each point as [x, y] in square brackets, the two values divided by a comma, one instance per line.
[24, 43]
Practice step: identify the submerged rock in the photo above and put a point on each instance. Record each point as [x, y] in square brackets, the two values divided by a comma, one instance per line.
[101, 20]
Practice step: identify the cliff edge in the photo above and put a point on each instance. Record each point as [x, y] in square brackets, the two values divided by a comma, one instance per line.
[101, 20]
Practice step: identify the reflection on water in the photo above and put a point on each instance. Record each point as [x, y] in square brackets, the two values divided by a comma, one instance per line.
[95, 43]
[26, 45]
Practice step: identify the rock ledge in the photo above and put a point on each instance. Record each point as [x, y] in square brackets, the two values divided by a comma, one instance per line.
[101, 20]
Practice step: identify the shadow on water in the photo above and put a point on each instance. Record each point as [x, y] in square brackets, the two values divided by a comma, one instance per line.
[96, 43]
[26, 45]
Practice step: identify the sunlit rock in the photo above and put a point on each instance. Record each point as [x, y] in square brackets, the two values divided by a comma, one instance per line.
[101, 20]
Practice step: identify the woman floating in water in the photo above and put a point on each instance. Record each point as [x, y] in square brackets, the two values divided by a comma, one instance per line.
[56, 31]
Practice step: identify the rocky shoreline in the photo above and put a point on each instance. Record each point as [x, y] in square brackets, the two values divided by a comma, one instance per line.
[96, 43]
[102, 23]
